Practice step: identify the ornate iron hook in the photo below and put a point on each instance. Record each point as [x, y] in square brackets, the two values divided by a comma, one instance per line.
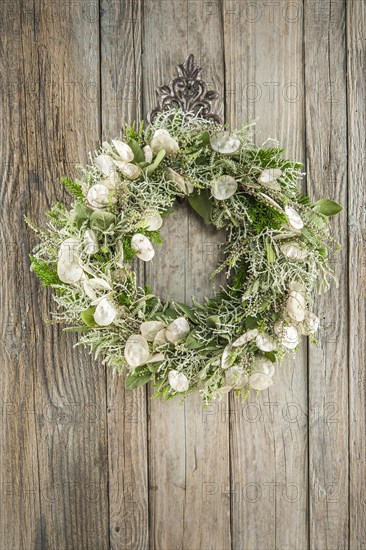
[188, 92]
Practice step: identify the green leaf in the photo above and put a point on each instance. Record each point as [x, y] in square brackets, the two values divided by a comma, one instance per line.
[200, 202]
[251, 322]
[81, 328]
[327, 207]
[88, 317]
[213, 321]
[102, 220]
[45, 273]
[188, 312]
[270, 355]
[137, 151]
[271, 255]
[158, 159]
[203, 139]
[191, 342]
[82, 214]
[73, 187]
[138, 378]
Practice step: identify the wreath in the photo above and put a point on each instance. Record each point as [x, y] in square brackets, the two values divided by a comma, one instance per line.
[277, 254]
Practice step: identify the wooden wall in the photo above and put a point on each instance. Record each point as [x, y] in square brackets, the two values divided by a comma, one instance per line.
[86, 465]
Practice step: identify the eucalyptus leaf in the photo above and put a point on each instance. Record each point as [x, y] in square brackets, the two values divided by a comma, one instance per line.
[251, 322]
[201, 203]
[137, 151]
[88, 317]
[158, 159]
[82, 214]
[191, 341]
[188, 312]
[271, 255]
[213, 321]
[203, 139]
[102, 220]
[327, 207]
[138, 378]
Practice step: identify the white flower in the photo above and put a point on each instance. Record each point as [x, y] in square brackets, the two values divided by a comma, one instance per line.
[293, 217]
[288, 334]
[124, 151]
[98, 196]
[245, 338]
[224, 187]
[148, 154]
[236, 377]
[178, 381]
[143, 247]
[295, 306]
[268, 178]
[136, 350]
[149, 329]
[177, 330]
[163, 140]
[105, 312]
[293, 251]
[153, 221]
[265, 342]
[91, 242]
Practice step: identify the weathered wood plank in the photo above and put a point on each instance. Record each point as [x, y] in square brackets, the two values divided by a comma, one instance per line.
[188, 453]
[326, 156]
[264, 82]
[356, 88]
[167, 276]
[61, 123]
[127, 418]
[207, 501]
[20, 524]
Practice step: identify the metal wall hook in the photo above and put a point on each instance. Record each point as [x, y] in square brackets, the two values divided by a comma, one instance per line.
[188, 92]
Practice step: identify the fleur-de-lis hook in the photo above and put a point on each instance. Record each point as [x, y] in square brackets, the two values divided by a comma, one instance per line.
[188, 92]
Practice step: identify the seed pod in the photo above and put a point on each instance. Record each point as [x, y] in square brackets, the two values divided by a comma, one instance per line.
[153, 220]
[98, 196]
[245, 338]
[143, 247]
[224, 187]
[265, 342]
[105, 312]
[225, 143]
[294, 218]
[178, 381]
[177, 330]
[124, 151]
[136, 350]
[149, 329]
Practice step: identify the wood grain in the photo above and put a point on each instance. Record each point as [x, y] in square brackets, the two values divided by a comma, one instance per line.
[121, 24]
[326, 155]
[356, 89]
[20, 501]
[85, 464]
[264, 71]
[59, 123]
